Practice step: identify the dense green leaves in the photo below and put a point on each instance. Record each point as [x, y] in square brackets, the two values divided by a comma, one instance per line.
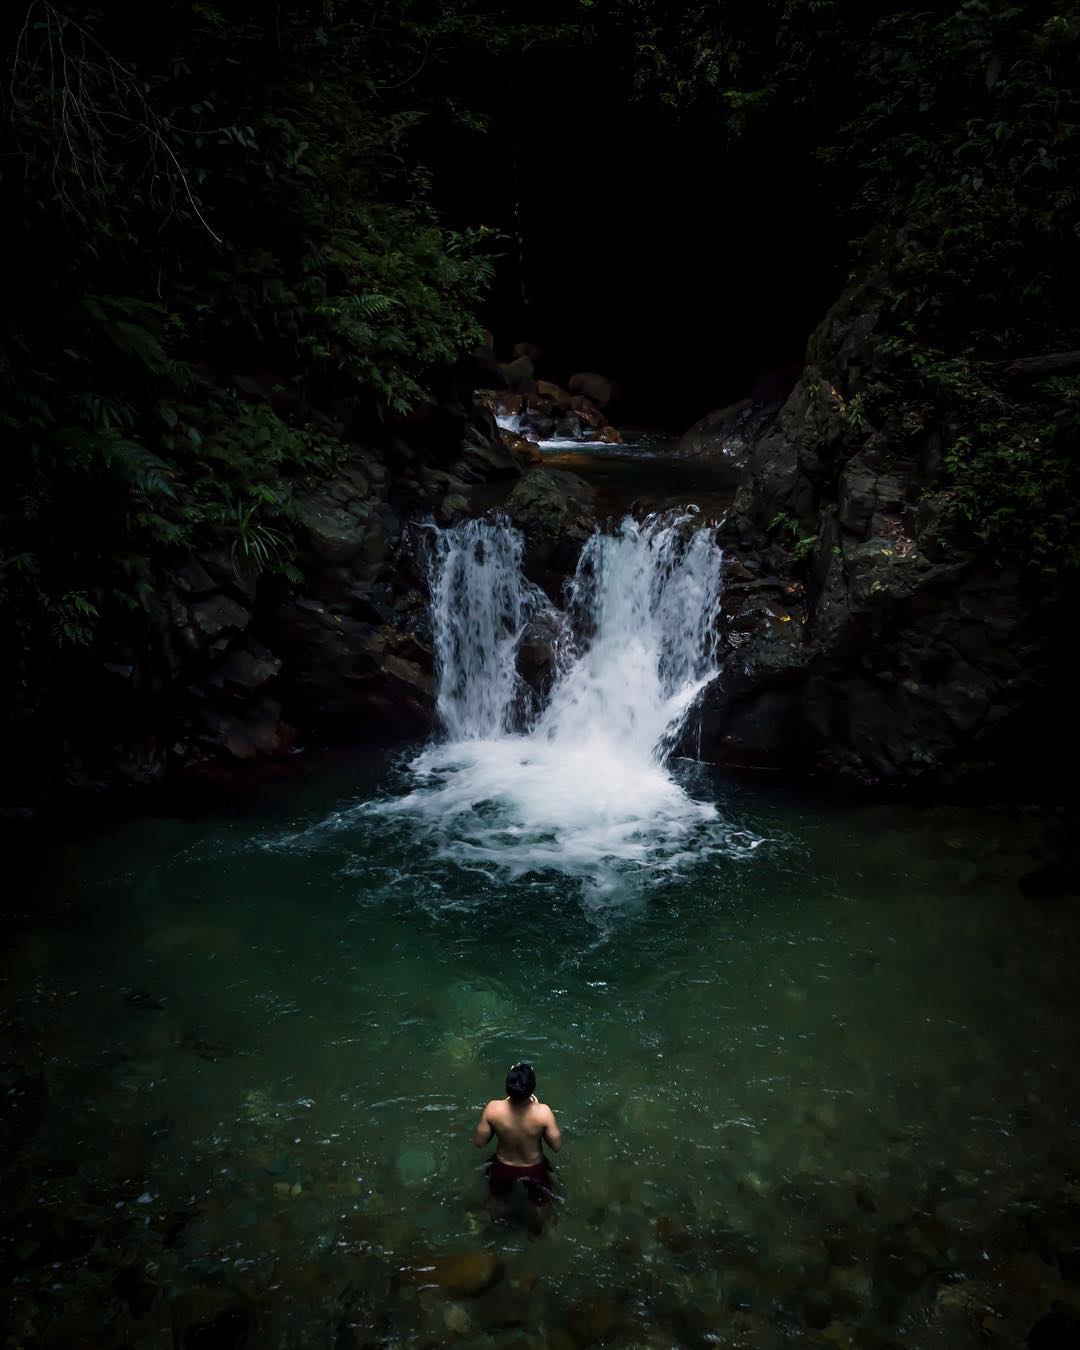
[215, 211]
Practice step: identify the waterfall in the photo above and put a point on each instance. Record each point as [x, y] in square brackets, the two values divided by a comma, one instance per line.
[648, 598]
[582, 786]
[480, 603]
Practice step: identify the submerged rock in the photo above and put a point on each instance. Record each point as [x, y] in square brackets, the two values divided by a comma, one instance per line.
[503, 1310]
[467, 1275]
[415, 1165]
[595, 1322]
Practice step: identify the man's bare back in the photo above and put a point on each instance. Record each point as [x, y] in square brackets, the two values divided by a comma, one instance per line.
[520, 1128]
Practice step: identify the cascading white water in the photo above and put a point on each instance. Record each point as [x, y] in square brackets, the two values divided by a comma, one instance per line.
[648, 598]
[480, 602]
[509, 422]
[585, 788]
[518, 426]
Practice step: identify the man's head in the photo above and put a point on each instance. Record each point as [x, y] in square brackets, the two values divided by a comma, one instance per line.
[520, 1082]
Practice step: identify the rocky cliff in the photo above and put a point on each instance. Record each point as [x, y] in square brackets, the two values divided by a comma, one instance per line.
[227, 665]
[863, 638]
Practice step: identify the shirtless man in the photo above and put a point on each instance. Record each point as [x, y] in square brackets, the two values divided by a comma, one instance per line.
[520, 1125]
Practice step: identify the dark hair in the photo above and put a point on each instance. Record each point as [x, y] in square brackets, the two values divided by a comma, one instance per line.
[520, 1082]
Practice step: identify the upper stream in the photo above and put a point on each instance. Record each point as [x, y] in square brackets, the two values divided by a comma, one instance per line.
[814, 1064]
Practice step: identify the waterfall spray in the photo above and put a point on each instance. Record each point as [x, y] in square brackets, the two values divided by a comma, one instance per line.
[583, 788]
[648, 598]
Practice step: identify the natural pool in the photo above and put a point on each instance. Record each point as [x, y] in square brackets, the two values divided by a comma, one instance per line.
[814, 1063]
[819, 1093]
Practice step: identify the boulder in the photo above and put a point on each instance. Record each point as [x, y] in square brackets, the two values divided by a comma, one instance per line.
[484, 462]
[598, 389]
[728, 433]
[520, 375]
[484, 365]
[525, 450]
[217, 614]
[528, 349]
[192, 576]
[555, 510]
[246, 665]
[335, 529]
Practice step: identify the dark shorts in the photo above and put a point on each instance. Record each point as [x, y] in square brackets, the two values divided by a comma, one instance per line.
[536, 1178]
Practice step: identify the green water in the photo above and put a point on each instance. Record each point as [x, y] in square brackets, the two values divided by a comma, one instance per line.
[819, 1094]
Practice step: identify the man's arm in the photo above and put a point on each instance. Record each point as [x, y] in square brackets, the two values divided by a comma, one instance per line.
[552, 1133]
[484, 1131]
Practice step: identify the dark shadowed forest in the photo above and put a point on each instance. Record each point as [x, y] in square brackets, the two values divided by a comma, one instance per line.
[539, 537]
[246, 240]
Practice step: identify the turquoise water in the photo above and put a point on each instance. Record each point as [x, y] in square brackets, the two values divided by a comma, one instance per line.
[818, 1092]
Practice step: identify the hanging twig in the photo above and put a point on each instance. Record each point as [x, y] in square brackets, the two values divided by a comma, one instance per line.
[85, 88]
[409, 78]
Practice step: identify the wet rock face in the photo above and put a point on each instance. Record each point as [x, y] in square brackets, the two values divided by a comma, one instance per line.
[728, 434]
[348, 635]
[542, 642]
[555, 510]
[238, 666]
[862, 642]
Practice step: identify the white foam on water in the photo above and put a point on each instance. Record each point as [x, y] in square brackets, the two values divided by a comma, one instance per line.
[518, 426]
[584, 787]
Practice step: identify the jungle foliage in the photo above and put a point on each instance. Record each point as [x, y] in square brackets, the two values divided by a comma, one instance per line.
[947, 136]
[203, 198]
[202, 188]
